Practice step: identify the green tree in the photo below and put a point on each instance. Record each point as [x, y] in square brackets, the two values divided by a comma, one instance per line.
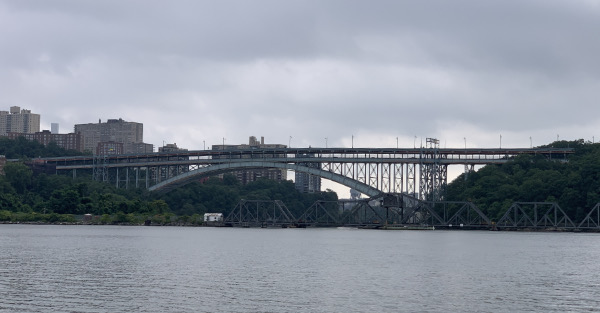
[18, 175]
[65, 202]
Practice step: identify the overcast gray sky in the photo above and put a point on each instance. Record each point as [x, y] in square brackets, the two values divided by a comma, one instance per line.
[199, 71]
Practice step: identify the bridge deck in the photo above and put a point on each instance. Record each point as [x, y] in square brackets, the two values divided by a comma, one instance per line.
[301, 155]
[370, 171]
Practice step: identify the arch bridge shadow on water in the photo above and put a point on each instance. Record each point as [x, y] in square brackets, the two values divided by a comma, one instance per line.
[399, 211]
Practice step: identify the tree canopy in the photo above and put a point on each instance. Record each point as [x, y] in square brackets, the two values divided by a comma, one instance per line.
[22, 148]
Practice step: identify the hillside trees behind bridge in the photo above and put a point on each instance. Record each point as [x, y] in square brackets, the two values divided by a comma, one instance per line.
[574, 185]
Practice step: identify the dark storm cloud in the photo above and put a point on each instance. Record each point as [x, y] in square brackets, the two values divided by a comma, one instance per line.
[196, 71]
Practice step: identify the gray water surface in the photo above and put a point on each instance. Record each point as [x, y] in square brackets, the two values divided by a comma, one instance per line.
[176, 269]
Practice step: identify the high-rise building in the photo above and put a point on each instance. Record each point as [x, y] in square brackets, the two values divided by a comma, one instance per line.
[306, 182]
[250, 175]
[130, 134]
[54, 128]
[19, 121]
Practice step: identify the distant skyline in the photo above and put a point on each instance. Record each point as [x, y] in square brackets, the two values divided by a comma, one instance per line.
[367, 73]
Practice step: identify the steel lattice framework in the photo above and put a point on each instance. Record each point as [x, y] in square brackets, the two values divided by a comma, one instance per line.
[535, 215]
[592, 219]
[263, 213]
[420, 172]
[397, 211]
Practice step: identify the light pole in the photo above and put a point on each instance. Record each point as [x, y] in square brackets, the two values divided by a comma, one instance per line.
[465, 138]
[415, 143]
[352, 141]
[530, 142]
[290, 142]
[223, 144]
[500, 141]
[325, 142]
[396, 142]
[204, 144]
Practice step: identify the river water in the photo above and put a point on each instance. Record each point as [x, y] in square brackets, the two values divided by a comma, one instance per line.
[177, 269]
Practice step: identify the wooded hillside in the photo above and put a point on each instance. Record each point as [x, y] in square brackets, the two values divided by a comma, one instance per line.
[574, 185]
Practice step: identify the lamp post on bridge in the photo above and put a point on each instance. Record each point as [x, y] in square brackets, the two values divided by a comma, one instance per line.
[290, 142]
[500, 141]
[396, 142]
[352, 141]
[325, 142]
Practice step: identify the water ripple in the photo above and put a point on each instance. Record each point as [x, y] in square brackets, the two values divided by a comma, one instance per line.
[154, 269]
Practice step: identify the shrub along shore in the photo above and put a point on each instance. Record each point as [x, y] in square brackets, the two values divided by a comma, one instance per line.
[7, 217]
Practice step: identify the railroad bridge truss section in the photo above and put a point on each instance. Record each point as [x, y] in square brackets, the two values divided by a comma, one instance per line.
[397, 211]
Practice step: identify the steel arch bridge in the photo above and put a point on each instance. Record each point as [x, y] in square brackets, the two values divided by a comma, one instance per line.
[421, 172]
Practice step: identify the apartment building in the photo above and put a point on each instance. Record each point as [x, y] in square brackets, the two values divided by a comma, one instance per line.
[19, 120]
[71, 141]
[130, 134]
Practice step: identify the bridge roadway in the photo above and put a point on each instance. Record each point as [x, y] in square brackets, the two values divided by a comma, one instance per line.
[371, 171]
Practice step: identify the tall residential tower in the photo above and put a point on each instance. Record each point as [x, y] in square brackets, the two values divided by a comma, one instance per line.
[19, 121]
[130, 134]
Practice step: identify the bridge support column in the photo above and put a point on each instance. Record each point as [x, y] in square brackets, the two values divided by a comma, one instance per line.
[411, 180]
[434, 175]
[398, 178]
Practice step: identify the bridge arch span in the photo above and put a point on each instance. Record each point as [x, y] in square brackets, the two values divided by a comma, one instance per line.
[229, 167]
